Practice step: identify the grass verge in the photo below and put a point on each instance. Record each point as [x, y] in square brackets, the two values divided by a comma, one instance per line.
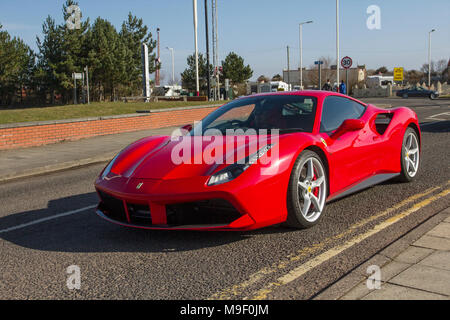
[95, 109]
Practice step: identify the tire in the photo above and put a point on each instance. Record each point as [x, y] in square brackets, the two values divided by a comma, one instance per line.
[433, 96]
[302, 186]
[410, 156]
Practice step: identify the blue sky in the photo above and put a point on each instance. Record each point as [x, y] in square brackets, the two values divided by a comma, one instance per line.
[260, 30]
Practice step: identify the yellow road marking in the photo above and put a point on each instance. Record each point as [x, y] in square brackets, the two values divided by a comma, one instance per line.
[235, 290]
[311, 264]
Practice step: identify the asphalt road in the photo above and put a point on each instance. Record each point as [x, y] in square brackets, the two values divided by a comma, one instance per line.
[273, 263]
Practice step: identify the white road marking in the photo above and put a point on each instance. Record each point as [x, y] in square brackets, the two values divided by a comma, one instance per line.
[315, 262]
[65, 214]
[445, 114]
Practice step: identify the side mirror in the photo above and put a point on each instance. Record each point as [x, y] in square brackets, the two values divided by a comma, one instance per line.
[348, 125]
[186, 129]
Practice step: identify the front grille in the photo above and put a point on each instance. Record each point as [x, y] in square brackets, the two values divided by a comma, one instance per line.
[214, 211]
[112, 207]
[139, 214]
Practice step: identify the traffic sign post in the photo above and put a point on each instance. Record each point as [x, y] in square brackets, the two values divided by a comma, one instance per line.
[319, 63]
[346, 63]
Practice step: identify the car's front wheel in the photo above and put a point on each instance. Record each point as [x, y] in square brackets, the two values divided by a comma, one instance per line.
[307, 191]
[433, 96]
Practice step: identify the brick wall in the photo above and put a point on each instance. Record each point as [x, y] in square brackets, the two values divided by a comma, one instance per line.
[28, 135]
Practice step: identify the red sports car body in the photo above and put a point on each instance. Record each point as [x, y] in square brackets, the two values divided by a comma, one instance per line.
[330, 145]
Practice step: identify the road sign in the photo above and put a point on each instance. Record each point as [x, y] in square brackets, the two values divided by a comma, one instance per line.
[398, 74]
[318, 62]
[346, 62]
[77, 76]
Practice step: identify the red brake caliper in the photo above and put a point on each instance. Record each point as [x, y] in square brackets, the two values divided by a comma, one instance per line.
[316, 190]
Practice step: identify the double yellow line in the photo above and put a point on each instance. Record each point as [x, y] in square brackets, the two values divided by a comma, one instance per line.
[237, 290]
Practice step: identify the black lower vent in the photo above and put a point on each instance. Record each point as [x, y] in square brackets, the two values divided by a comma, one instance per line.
[215, 211]
[112, 207]
[139, 214]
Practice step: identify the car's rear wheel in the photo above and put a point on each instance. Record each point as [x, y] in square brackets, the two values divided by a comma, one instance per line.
[307, 191]
[410, 160]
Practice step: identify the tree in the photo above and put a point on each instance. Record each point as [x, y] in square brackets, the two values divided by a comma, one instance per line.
[133, 34]
[16, 63]
[108, 58]
[49, 57]
[381, 70]
[235, 69]
[262, 78]
[188, 76]
[277, 77]
[413, 76]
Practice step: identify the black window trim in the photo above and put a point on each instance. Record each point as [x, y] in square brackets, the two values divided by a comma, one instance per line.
[323, 103]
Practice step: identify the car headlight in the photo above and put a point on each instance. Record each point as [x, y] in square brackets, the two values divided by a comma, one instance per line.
[108, 168]
[236, 169]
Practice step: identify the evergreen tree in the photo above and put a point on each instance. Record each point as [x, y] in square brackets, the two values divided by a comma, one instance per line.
[235, 69]
[133, 34]
[188, 75]
[16, 64]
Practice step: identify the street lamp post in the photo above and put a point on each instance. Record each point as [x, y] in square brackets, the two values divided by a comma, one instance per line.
[301, 52]
[173, 65]
[337, 44]
[196, 49]
[429, 57]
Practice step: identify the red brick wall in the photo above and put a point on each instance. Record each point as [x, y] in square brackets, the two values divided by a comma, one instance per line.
[28, 136]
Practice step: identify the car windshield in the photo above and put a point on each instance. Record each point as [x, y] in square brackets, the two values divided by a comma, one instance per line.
[288, 113]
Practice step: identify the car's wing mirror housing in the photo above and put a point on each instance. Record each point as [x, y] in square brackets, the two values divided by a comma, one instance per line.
[348, 125]
[186, 129]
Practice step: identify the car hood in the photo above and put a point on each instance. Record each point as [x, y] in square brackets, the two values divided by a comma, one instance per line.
[184, 157]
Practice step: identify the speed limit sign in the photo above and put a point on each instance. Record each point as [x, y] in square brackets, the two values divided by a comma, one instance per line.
[346, 62]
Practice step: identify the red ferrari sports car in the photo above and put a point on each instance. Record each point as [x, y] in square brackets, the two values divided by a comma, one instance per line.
[258, 161]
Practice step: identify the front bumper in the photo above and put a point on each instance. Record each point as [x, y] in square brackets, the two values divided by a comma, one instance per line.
[188, 204]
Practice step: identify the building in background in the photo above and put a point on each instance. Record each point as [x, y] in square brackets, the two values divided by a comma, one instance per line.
[311, 76]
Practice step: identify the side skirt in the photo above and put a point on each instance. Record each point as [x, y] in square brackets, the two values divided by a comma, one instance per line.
[364, 185]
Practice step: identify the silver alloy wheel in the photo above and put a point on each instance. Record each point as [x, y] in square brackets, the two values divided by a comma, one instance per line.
[412, 155]
[312, 189]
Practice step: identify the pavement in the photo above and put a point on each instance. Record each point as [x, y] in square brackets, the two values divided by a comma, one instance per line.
[21, 163]
[48, 223]
[415, 267]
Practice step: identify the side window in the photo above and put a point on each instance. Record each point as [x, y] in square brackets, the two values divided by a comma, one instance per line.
[336, 110]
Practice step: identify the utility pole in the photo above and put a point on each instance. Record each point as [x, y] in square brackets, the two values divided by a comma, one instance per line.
[208, 78]
[215, 34]
[173, 64]
[87, 83]
[196, 49]
[74, 89]
[337, 44]
[301, 52]
[429, 57]
[158, 62]
[288, 70]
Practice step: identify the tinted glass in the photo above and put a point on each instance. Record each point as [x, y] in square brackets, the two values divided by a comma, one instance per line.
[336, 110]
[283, 112]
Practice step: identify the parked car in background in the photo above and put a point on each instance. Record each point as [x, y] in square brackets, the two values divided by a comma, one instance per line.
[415, 92]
